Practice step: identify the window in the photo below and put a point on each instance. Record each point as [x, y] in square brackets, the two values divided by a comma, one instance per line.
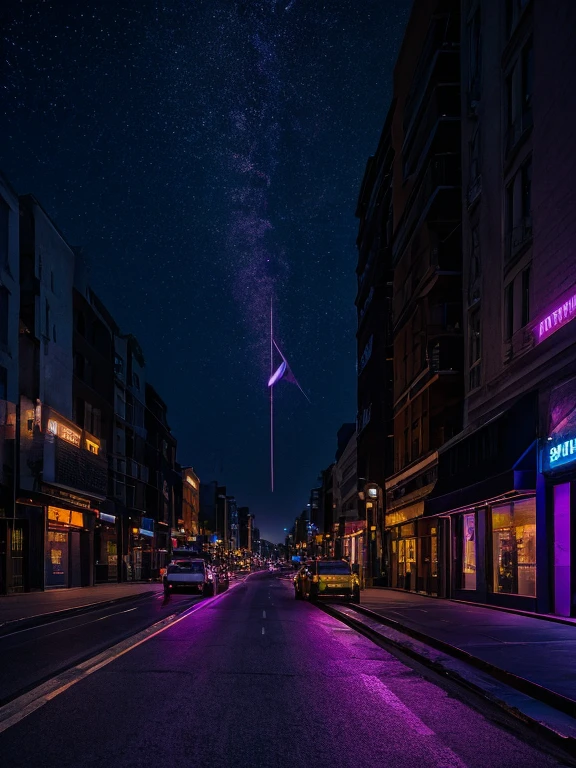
[475, 55]
[136, 380]
[525, 297]
[509, 310]
[514, 10]
[514, 548]
[118, 365]
[526, 196]
[519, 211]
[519, 91]
[475, 269]
[4, 294]
[474, 349]
[469, 551]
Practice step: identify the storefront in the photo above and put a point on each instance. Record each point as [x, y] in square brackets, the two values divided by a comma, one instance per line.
[488, 497]
[558, 465]
[413, 558]
[66, 540]
[494, 551]
[105, 548]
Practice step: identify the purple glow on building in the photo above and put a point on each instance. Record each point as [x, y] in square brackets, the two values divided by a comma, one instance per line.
[558, 317]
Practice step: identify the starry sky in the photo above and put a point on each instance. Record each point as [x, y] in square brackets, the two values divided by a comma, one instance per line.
[207, 155]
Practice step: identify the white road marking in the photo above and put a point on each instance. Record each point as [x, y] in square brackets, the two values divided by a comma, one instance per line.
[443, 756]
[15, 711]
[68, 629]
[376, 685]
[263, 631]
[263, 614]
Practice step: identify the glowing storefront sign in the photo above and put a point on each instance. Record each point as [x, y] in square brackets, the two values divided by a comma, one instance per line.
[64, 432]
[559, 454]
[66, 516]
[560, 316]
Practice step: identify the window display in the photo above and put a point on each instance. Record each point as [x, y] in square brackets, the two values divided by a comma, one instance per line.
[469, 551]
[514, 547]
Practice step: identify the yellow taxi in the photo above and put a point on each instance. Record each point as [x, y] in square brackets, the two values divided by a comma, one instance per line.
[327, 578]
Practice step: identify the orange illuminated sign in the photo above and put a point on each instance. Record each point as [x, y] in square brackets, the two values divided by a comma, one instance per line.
[66, 516]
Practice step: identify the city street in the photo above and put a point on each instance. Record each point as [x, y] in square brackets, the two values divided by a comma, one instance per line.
[255, 678]
[31, 655]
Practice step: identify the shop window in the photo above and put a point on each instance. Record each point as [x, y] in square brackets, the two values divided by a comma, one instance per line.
[514, 548]
[469, 551]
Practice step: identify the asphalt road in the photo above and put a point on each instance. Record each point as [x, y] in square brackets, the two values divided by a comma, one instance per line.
[256, 679]
[29, 656]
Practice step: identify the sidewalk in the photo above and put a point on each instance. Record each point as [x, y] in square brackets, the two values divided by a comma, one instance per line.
[535, 649]
[31, 606]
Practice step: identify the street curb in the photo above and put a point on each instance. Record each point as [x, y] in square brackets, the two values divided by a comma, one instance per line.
[539, 692]
[28, 622]
[517, 611]
[525, 687]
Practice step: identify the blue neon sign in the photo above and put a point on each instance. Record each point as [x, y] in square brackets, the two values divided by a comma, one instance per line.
[559, 454]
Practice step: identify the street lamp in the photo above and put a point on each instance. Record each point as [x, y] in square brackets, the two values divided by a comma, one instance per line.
[370, 494]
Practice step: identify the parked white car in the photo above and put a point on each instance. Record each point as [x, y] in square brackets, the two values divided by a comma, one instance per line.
[193, 575]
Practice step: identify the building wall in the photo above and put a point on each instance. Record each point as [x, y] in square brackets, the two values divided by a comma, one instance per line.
[47, 264]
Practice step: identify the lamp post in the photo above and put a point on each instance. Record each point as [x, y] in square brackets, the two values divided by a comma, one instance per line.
[370, 494]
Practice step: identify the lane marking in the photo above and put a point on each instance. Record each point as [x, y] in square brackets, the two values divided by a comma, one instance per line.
[15, 711]
[68, 629]
[376, 685]
[59, 621]
[263, 631]
[263, 614]
[444, 756]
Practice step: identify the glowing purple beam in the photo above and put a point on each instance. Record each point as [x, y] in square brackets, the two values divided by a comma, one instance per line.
[277, 375]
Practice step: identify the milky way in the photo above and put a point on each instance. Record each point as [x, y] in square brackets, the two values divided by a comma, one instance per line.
[208, 154]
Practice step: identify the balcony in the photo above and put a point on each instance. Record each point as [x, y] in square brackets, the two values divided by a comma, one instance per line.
[427, 201]
[445, 320]
[518, 238]
[517, 130]
[437, 130]
[439, 60]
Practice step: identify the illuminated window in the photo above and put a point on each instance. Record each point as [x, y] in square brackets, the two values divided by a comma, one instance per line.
[469, 551]
[514, 548]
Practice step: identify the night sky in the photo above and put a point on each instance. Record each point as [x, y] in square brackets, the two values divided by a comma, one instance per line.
[208, 155]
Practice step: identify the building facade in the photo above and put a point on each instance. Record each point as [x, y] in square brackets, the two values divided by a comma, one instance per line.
[507, 481]
[426, 258]
[11, 534]
[63, 476]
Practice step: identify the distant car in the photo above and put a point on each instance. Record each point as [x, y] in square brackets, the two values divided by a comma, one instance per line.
[194, 575]
[327, 578]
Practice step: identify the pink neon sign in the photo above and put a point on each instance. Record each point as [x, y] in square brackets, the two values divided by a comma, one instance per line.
[560, 316]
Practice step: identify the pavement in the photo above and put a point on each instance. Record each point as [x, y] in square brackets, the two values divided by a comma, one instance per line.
[32, 608]
[253, 678]
[538, 650]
